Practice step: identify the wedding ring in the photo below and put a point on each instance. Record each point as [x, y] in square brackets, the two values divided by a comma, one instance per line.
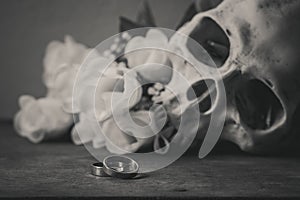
[97, 169]
[120, 167]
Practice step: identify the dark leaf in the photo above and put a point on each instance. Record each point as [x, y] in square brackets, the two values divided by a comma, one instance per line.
[188, 15]
[144, 15]
[127, 24]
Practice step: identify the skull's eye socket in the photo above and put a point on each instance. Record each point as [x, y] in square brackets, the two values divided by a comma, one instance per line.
[213, 39]
[259, 107]
[205, 92]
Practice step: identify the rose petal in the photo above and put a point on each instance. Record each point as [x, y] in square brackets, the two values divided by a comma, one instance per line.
[58, 53]
[116, 140]
[99, 141]
[156, 38]
[161, 149]
[135, 58]
[37, 136]
[25, 100]
[153, 72]
[41, 119]
[139, 48]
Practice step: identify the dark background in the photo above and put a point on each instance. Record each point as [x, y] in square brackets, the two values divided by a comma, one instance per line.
[27, 26]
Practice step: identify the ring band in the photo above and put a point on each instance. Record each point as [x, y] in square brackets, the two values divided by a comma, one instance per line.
[97, 170]
[120, 167]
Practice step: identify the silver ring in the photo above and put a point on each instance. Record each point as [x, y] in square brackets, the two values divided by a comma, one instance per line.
[120, 167]
[97, 169]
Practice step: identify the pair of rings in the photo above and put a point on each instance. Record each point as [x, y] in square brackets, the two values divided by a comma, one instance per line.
[116, 166]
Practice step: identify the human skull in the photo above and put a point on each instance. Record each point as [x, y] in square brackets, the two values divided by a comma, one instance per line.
[254, 45]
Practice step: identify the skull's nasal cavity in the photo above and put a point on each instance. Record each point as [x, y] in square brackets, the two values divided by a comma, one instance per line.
[213, 39]
[258, 106]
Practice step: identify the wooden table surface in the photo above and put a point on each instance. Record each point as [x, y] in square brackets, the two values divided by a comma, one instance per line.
[61, 169]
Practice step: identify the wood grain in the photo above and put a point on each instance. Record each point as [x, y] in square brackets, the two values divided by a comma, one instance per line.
[61, 169]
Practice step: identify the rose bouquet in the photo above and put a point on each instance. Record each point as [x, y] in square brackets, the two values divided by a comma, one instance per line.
[53, 115]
